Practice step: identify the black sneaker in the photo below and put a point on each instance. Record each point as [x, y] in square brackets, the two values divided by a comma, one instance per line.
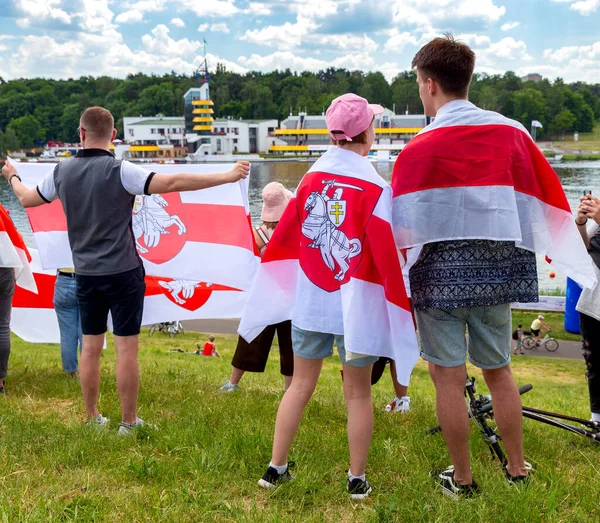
[450, 488]
[518, 480]
[271, 478]
[359, 489]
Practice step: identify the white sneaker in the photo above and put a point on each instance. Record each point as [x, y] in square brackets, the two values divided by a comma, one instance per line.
[127, 429]
[229, 387]
[401, 405]
[99, 422]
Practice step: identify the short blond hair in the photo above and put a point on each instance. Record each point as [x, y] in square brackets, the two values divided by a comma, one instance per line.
[98, 123]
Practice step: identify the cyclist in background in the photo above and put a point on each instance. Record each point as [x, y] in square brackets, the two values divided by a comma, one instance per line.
[536, 326]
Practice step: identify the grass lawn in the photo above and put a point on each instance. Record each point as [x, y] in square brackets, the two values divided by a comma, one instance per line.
[211, 448]
[587, 142]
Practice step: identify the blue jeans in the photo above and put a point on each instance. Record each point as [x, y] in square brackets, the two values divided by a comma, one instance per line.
[69, 322]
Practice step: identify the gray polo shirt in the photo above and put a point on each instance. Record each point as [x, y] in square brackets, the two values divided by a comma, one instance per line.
[97, 193]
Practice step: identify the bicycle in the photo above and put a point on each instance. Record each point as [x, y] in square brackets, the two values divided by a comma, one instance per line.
[172, 328]
[550, 344]
[481, 412]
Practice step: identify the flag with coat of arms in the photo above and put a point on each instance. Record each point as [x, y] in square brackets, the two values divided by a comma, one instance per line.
[332, 265]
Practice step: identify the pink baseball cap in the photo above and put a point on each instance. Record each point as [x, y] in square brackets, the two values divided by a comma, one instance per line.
[349, 115]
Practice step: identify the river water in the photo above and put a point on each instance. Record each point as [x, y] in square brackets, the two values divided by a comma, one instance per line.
[575, 177]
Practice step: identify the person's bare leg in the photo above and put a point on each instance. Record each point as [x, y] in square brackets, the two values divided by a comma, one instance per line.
[288, 382]
[357, 390]
[291, 408]
[89, 372]
[508, 416]
[454, 417]
[236, 375]
[128, 376]
[400, 390]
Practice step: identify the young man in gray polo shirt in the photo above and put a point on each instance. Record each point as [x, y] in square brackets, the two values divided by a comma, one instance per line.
[97, 193]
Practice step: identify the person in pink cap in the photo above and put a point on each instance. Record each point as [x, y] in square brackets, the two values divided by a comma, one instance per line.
[252, 357]
[331, 197]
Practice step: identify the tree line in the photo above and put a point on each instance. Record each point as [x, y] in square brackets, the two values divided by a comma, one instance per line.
[37, 110]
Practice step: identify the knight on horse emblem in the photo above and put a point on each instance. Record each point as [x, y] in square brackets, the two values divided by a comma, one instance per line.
[325, 215]
[151, 220]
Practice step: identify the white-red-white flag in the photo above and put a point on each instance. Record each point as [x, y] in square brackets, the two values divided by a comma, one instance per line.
[201, 236]
[474, 174]
[14, 253]
[332, 265]
[34, 318]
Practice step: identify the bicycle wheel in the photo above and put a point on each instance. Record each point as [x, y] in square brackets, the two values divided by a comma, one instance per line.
[551, 345]
[172, 331]
[152, 329]
[529, 342]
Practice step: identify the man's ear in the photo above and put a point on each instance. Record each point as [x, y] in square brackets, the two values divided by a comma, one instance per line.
[114, 135]
[431, 86]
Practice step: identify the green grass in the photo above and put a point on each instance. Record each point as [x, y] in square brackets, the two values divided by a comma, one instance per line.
[211, 448]
[555, 320]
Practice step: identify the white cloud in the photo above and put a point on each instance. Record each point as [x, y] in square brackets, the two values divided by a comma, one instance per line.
[177, 22]
[211, 8]
[95, 16]
[399, 41]
[129, 17]
[474, 40]
[258, 9]
[47, 10]
[510, 25]
[574, 54]
[215, 28]
[219, 28]
[345, 42]
[584, 7]
[147, 6]
[440, 12]
[282, 60]
[286, 36]
[161, 43]
[506, 50]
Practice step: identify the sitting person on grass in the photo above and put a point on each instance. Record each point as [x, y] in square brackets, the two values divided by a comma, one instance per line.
[209, 348]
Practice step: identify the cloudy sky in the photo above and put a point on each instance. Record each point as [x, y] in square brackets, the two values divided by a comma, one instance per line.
[69, 38]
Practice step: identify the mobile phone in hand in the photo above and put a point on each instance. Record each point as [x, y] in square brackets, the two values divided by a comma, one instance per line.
[587, 192]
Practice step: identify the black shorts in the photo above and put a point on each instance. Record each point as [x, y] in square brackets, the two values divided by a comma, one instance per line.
[535, 332]
[122, 294]
[252, 357]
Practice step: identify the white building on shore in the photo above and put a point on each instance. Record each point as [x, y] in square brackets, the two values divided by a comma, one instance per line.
[163, 137]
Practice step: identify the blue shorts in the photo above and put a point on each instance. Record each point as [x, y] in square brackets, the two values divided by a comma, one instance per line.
[443, 336]
[318, 345]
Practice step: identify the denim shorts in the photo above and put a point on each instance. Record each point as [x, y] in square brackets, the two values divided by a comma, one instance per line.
[318, 345]
[443, 341]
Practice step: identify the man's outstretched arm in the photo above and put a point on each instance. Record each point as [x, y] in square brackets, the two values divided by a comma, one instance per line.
[27, 197]
[165, 183]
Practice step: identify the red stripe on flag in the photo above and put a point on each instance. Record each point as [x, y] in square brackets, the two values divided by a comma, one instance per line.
[285, 242]
[477, 155]
[210, 223]
[48, 218]
[206, 223]
[380, 263]
[43, 300]
[15, 237]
